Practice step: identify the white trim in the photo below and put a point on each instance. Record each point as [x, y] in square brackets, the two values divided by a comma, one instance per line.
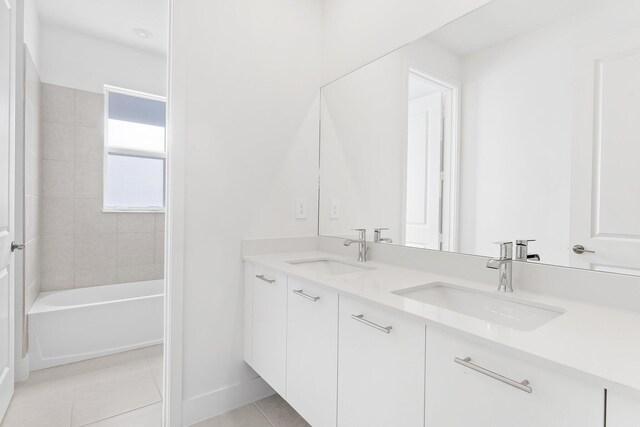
[137, 153]
[174, 241]
[219, 401]
[116, 209]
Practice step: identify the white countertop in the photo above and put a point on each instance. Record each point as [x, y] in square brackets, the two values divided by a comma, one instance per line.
[599, 341]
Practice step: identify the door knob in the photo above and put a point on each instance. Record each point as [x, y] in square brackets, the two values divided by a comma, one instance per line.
[579, 249]
[15, 246]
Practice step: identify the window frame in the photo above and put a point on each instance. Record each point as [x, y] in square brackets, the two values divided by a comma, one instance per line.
[153, 154]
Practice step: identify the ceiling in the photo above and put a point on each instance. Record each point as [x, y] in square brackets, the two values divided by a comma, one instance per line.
[113, 20]
[501, 20]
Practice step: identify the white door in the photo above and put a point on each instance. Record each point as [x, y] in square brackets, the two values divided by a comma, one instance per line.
[6, 211]
[424, 165]
[605, 201]
[622, 410]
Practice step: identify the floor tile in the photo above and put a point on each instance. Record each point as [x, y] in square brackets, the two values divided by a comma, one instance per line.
[44, 383]
[110, 368]
[244, 416]
[101, 401]
[279, 412]
[149, 416]
[49, 412]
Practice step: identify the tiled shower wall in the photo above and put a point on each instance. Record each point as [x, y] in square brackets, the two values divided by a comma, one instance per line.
[81, 245]
[32, 170]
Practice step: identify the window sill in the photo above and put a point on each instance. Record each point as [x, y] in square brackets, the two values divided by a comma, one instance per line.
[133, 210]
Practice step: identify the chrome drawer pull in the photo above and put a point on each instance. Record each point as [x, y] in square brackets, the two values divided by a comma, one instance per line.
[261, 277]
[360, 318]
[524, 385]
[302, 294]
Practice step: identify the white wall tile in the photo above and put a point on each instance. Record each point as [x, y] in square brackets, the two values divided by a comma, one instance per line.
[32, 260]
[57, 254]
[57, 178]
[32, 217]
[89, 109]
[135, 273]
[58, 104]
[89, 217]
[88, 180]
[95, 250]
[136, 249]
[32, 128]
[136, 222]
[89, 144]
[159, 247]
[57, 280]
[57, 216]
[58, 141]
[94, 276]
[32, 174]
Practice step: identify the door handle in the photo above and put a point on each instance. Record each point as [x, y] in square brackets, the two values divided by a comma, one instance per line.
[579, 249]
[15, 246]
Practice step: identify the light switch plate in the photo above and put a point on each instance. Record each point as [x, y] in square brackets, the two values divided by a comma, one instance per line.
[301, 208]
[335, 209]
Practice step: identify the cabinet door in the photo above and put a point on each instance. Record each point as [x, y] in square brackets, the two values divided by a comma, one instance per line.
[270, 327]
[459, 396]
[312, 352]
[622, 410]
[380, 367]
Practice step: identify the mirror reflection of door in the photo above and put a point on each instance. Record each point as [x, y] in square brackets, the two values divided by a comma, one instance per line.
[605, 204]
[429, 103]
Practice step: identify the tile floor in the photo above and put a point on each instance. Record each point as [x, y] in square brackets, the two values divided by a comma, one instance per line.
[271, 411]
[123, 389]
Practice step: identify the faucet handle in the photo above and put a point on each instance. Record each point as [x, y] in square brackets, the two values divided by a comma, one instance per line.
[524, 242]
[362, 232]
[506, 249]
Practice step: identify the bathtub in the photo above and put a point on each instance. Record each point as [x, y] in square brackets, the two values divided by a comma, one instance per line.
[76, 324]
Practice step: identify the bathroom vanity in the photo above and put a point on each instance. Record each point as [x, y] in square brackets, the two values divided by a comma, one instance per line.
[352, 344]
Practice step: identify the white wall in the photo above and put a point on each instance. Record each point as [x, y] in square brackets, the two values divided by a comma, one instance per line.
[79, 61]
[247, 73]
[356, 32]
[517, 133]
[32, 31]
[364, 134]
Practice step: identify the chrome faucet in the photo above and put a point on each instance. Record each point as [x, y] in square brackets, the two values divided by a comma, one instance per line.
[503, 265]
[362, 244]
[522, 251]
[377, 236]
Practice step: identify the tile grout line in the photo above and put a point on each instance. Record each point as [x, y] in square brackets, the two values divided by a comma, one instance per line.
[263, 414]
[117, 415]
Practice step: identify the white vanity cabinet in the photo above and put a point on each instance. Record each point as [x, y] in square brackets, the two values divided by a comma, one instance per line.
[381, 364]
[622, 411]
[312, 352]
[476, 394]
[269, 327]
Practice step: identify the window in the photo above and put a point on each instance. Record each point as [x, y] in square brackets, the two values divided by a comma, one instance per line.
[135, 151]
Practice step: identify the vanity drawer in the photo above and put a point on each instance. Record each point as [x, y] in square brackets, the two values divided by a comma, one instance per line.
[471, 384]
[380, 367]
[269, 319]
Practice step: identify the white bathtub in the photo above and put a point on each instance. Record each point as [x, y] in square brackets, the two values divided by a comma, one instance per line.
[77, 324]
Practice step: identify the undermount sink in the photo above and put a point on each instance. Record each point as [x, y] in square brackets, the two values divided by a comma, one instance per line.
[492, 307]
[329, 266]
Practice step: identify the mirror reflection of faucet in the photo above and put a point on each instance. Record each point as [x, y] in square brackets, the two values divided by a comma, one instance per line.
[377, 236]
[522, 251]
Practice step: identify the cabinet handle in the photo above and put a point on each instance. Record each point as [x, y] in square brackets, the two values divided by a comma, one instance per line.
[261, 277]
[360, 318]
[523, 385]
[302, 294]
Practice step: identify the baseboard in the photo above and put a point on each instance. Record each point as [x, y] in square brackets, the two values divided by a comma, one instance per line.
[22, 368]
[216, 402]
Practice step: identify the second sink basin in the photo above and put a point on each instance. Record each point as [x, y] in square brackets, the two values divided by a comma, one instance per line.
[329, 266]
[492, 307]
